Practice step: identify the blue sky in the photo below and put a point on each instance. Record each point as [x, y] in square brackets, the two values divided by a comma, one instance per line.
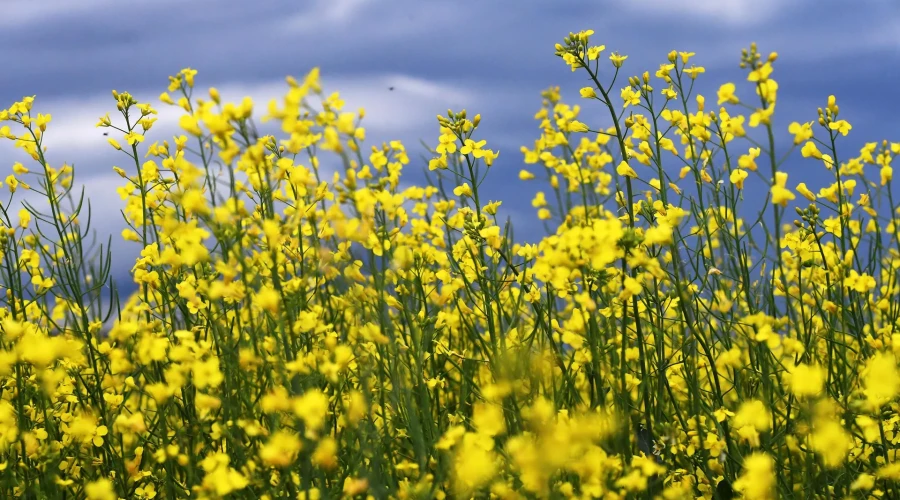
[492, 57]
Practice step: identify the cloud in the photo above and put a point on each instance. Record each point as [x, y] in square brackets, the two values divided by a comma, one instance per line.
[326, 14]
[730, 12]
[412, 104]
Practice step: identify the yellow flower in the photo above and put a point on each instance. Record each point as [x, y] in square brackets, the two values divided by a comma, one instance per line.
[473, 148]
[802, 132]
[281, 450]
[748, 161]
[19, 169]
[630, 97]
[625, 170]
[694, 71]
[473, 466]
[24, 218]
[488, 419]
[841, 126]
[439, 163]
[863, 482]
[463, 190]
[831, 442]
[190, 124]
[757, 481]
[312, 407]
[881, 379]
[780, 194]
[207, 373]
[737, 177]
[577, 126]
[753, 413]
[807, 380]
[726, 94]
[809, 150]
[802, 189]
[760, 74]
[617, 59]
[101, 489]
[133, 138]
[325, 455]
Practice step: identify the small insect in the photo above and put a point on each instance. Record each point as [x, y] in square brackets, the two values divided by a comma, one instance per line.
[391, 88]
[105, 133]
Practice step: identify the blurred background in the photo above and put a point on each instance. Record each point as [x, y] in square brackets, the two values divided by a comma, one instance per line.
[406, 61]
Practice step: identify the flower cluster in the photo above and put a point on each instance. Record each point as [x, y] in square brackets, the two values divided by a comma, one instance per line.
[306, 325]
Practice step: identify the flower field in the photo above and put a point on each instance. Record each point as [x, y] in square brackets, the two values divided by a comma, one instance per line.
[308, 324]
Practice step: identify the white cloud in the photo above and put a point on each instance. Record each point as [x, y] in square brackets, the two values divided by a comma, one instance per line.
[412, 104]
[326, 14]
[355, 21]
[731, 12]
